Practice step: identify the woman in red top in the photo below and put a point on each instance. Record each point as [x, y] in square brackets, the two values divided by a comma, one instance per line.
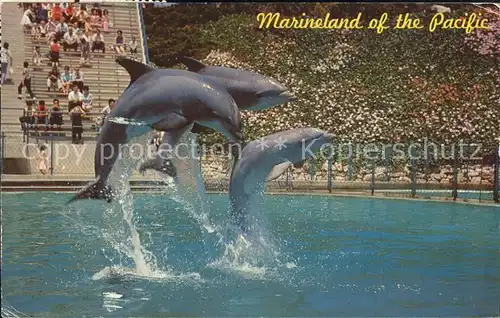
[57, 12]
[54, 53]
[42, 114]
[68, 13]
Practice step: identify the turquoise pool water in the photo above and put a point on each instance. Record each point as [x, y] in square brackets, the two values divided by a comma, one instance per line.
[324, 256]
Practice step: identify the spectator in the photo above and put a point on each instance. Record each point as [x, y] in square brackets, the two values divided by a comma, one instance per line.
[50, 28]
[56, 115]
[42, 159]
[54, 53]
[66, 80]
[54, 79]
[98, 42]
[105, 112]
[70, 40]
[78, 78]
[87, 99]
[95, 19]
[81, 16]
[119, 46]
[106, 24]
[88, 24]
[41, 13]
[75, 98]
[85, 49]
[28, 118]
[76, 124]
[97, 8]
[61, 29]
[28, 19]
[25, 83]
[87, 36]
[133, 46]
[37, 56]
[42, 30]
[57, 13]
[68, 13]
[6, 59]
[42, 113]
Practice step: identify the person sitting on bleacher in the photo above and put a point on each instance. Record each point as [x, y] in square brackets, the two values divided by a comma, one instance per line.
[70, 40]
[54, 52]
[87, 36]
[88, 25]
[54, 79]
[28, 20]
[132, 45]
[106, 23]
[107, 110]
[75, 98]
[61, 29]
[81, 15]
[41, 31]
[69, 13]
[87, 99]
[120, 42]
[26, 83]
[51, 27]
[57, 13]
[97, 7]
[78, 78]
[56, 117]
[66, 80]
[95, 19]
[42, 114]
[98, 42]
[41, 13]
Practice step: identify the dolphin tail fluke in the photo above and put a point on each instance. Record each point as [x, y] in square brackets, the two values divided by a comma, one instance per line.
[192, 64]
[95, 190]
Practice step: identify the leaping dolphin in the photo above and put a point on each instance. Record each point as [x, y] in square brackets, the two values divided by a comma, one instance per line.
[165, 100]
[258, 159]
[251, 91]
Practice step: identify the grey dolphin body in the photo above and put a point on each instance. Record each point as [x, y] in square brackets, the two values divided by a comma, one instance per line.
[259, 157]
[164, 100]
[251, 91]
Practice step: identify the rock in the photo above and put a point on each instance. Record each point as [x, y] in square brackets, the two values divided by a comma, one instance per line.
[475, 180]
[380, 177]
[367, 177]
[339, 178]
[473, 174]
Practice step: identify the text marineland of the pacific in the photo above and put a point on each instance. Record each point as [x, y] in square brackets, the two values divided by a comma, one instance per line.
[468, 23]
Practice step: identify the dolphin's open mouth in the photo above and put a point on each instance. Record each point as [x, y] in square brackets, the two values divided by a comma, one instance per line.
[287, 95]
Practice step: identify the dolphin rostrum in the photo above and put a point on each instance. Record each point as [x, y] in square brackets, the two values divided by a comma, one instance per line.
[251, 91]
[257, 160]
[165, 100]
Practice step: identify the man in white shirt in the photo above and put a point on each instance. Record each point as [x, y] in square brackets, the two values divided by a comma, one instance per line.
[98, 42]
[62, 28]
[78, 78]
[70, 40]
[74, 98]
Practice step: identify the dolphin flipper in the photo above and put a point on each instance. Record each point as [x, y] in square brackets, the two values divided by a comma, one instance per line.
[278, 170]
[192, 64]
[95, 190]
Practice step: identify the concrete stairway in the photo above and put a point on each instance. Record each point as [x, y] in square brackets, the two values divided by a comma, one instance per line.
[105, 78]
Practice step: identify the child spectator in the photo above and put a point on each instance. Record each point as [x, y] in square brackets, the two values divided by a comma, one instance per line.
[41, 13]
[76, 124]
[70, 40]
[37, 56]
[95, 19]
[42, 114]
[57, 13]
[56, 117]
[42, 30]
[85, 49]
[28, 118]
[6, 58]
[78, 78]
[54, 53]
[68, 13]
[133, 46]
[75, 98]
[66, 80]
[51, 30]
[87, 99]
[25, 83]
[54, 79]
[42, 159]
[105, 21]
[98, 42]
[105, 112]
[119, 46]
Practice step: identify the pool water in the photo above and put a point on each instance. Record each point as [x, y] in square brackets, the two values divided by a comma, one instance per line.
[323, 256]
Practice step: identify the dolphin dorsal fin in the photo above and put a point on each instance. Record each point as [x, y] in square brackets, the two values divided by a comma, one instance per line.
[192, 64]
[135, 69]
